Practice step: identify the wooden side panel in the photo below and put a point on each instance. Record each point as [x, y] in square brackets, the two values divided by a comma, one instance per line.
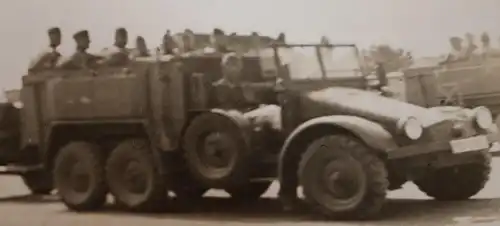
[69, 98]
[118, 96]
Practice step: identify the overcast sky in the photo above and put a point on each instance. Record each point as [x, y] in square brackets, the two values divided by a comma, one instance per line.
[422, 26]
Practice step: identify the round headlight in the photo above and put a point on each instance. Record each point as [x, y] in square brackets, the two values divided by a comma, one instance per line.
[412, 128]
[483, 117]
[18, 104]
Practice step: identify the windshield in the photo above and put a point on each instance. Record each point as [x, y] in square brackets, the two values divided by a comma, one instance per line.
[303, 63]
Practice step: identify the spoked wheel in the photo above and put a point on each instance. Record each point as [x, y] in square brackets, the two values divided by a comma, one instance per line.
[249, 192]
[457, 182]
[133, 178]
[79, 176]
[342, 178]
[216, 151]
[39, 182]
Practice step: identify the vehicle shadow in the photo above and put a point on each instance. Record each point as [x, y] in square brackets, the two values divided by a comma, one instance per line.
[30, 199]
[395, 212]
[431, 212]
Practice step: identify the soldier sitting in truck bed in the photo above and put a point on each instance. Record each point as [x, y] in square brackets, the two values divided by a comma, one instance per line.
[218, 42]
[487, 50]
[234, 94]
[48, 59]
[80, 59]
[141, 48]
[117, 55]
[457, 52]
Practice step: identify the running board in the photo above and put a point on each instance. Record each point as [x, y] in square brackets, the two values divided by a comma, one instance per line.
[19, 169]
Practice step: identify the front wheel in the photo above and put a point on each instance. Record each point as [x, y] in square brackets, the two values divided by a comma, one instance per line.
[342, 178]
[79, 176]
[134, 179]
[457, 182]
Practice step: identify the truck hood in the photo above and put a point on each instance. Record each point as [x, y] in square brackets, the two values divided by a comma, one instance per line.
[372, 106]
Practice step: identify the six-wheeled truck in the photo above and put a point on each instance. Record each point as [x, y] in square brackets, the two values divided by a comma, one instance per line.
[158, 125]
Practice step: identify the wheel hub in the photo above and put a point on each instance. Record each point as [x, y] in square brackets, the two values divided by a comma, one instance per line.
[134, 179]
[341, 179]
[80, 179]
[217, 152]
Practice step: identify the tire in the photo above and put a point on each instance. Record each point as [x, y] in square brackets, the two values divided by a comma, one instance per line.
[216, 151]
[39, 182]
[79, 176]
[249, 192]
[457, 183]
[133, 178]
[346, 153]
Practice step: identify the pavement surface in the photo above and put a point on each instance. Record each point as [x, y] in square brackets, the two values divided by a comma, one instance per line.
[407, 206]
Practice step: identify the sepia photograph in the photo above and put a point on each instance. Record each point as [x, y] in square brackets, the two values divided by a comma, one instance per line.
[250, 112]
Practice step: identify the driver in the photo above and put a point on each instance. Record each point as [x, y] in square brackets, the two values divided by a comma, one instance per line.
[233, 93]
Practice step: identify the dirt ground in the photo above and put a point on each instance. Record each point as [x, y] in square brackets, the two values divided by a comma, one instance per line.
[407, 206]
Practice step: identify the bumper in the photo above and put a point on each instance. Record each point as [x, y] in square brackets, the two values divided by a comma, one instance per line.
[476, 143]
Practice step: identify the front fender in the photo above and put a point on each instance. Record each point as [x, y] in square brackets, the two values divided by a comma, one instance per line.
[238, 119]
[373, 134]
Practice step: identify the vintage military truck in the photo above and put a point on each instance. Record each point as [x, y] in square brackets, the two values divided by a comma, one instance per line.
[156, 125]
[468, 83]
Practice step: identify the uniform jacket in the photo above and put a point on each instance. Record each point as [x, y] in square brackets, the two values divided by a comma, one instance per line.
[45, 60]
[115, 56]
[79, 60]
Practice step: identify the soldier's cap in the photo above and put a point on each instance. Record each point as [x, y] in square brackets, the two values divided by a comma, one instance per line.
[230, 57]
[218, 31]
[281, 37]
[121, 31]
[188, 31]
[255, 34]
[54, 30]
[325, 41]
[140, 39]
[81, 34]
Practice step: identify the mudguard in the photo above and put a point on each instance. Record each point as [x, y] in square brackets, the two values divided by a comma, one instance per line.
[373, 134]
[238, 118]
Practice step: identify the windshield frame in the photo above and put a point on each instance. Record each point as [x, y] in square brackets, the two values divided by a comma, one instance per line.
[320, 59]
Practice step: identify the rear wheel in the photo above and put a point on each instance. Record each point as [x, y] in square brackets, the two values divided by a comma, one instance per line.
[216, 151]
[342, 178]
[457, 182]
[249, 192]
[134, 179]
[39, 182]
[79, 176]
